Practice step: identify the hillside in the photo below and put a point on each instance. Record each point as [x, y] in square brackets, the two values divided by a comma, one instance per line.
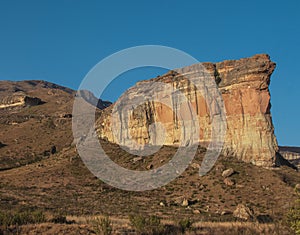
[41, 171]
[62, 185]
[32, 131]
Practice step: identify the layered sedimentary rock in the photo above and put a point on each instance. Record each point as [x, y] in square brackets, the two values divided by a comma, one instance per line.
[243, 85]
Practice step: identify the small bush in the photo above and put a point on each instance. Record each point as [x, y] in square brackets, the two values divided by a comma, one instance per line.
[293, 216]
[59, 219]
[146, 224]
[103, 226]
[20, 218]
[185, 224]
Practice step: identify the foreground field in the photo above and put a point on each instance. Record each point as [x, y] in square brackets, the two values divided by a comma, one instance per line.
[91, 225]
[60, 186]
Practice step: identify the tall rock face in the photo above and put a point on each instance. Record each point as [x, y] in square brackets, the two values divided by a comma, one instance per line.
[243, 85]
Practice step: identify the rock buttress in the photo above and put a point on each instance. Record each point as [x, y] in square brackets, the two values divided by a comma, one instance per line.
[244, 85]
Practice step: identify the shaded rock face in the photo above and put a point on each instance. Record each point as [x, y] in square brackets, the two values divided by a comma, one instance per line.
[91, 99]
[292, 154]
[243, 85]
[32, 101]
[2, 145]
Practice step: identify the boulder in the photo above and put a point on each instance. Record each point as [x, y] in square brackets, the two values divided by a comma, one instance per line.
[162, 204]
[185, 202]
[137, 159]
[228, 182]
[227, 172]
[243, 212]
[196, 211]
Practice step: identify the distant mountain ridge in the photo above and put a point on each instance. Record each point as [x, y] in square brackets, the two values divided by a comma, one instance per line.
[15, 93]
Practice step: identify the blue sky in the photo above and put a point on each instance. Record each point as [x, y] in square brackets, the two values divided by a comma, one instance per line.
[61, 40]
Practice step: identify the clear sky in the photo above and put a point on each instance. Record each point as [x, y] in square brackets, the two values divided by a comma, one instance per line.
[61, 40]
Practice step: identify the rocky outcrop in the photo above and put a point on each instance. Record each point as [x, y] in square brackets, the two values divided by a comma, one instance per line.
[292, 154]
[243, 212]
[244, 88]
[19, 99]
[91, 99]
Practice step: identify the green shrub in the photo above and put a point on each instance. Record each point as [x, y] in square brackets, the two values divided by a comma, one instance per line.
[185, 224]
[146, 224]
[20, 218]
[103, 226]
[293, 216]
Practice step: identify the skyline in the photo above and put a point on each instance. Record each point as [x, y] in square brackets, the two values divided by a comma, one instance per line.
[60, 41]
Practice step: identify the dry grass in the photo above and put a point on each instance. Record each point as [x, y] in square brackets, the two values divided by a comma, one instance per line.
[85, 226]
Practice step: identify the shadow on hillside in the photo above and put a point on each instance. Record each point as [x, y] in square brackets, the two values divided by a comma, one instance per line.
[281, 161]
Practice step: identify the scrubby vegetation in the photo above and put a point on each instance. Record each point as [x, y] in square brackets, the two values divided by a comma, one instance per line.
[293, 216]
[21, 218]
[146, 224]
[102, 225]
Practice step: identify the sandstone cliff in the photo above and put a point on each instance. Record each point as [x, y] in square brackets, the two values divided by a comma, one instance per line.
[244, 87]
